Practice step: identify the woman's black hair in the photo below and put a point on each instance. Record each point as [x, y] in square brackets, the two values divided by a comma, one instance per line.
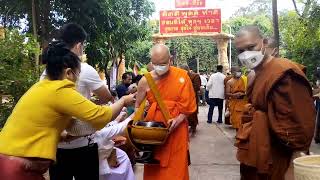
[58, 57]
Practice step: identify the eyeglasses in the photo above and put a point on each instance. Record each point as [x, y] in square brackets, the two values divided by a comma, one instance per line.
[75, 74]
[85, 45]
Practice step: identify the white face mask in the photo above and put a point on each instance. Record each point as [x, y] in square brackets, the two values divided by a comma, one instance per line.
[251, 59]
[238, 74]
[318, 83]
[161, 69]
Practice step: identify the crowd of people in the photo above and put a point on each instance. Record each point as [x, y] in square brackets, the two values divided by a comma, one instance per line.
[57, 127]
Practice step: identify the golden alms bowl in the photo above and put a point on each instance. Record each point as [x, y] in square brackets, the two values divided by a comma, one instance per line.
[147, 132]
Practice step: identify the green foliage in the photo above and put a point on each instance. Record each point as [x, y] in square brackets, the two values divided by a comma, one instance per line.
[256, 7]
[264, 22]
[301, 42]
[188, 50]
[17, 69]
[11, 12]
[299, 31]
[139, 53]
[113, 26]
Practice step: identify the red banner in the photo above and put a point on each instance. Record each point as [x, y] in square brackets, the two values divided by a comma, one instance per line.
[190, 21]
[190, 3]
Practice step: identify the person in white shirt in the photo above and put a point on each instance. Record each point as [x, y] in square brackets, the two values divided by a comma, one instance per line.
[204, 83]
[216, 88]
[123, 168]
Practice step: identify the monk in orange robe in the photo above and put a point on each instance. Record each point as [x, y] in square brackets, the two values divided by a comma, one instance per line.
[177, 93]
[227, 111]
[196, 83]
[236, 95]
[278, 122]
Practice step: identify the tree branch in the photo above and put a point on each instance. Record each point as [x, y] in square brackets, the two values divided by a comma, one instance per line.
[306, 9]
[296, 8]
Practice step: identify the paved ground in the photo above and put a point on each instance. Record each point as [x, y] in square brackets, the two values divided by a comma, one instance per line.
[212, 152]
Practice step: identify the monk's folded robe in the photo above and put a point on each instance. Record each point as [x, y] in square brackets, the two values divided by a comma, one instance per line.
[279, 121]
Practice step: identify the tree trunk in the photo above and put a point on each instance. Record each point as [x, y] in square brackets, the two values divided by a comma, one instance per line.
[34, 19]
[44, 22]
[275, 24]
[107, 75]
[34, 30]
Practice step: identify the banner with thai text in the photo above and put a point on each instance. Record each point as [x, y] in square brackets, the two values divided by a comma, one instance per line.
[190, 21]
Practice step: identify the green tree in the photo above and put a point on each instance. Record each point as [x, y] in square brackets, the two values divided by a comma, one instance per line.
[188, 50]
[138, 53]
[301, 42]
[264, 22]
[17, 69]
[256, 7]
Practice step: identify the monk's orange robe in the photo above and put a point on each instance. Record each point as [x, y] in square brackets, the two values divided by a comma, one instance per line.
[178, 95]
[236, 106]
[278, 122]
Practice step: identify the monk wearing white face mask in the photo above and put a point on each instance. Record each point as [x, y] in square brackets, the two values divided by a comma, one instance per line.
[177, 93]
[278, 122]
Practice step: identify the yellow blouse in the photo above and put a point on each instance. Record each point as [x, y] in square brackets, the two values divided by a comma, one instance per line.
[43, 112]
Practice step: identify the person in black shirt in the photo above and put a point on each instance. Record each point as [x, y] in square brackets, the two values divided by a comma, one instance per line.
[122, 89]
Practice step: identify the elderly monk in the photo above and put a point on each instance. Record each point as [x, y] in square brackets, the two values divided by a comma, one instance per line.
[236, 89]
[279, 119]
[177, 93]
[196, 83]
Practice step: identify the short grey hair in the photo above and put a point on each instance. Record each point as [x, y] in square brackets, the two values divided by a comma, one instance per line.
[160, 46]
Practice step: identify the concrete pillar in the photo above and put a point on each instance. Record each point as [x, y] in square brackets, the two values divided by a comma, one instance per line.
[222, 45]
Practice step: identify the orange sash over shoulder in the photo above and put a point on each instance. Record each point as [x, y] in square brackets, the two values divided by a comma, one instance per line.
[178, 95]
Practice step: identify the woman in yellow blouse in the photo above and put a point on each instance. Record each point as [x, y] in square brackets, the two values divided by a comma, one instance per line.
[28, 141]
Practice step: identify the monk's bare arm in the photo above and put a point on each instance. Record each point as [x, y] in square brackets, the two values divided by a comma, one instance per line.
[175, 122]
[141, 91]
[228, 89]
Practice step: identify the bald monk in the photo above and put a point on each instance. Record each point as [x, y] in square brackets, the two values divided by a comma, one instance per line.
[196, 83]
[176, 91]
[278, 122]
[236, 95]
